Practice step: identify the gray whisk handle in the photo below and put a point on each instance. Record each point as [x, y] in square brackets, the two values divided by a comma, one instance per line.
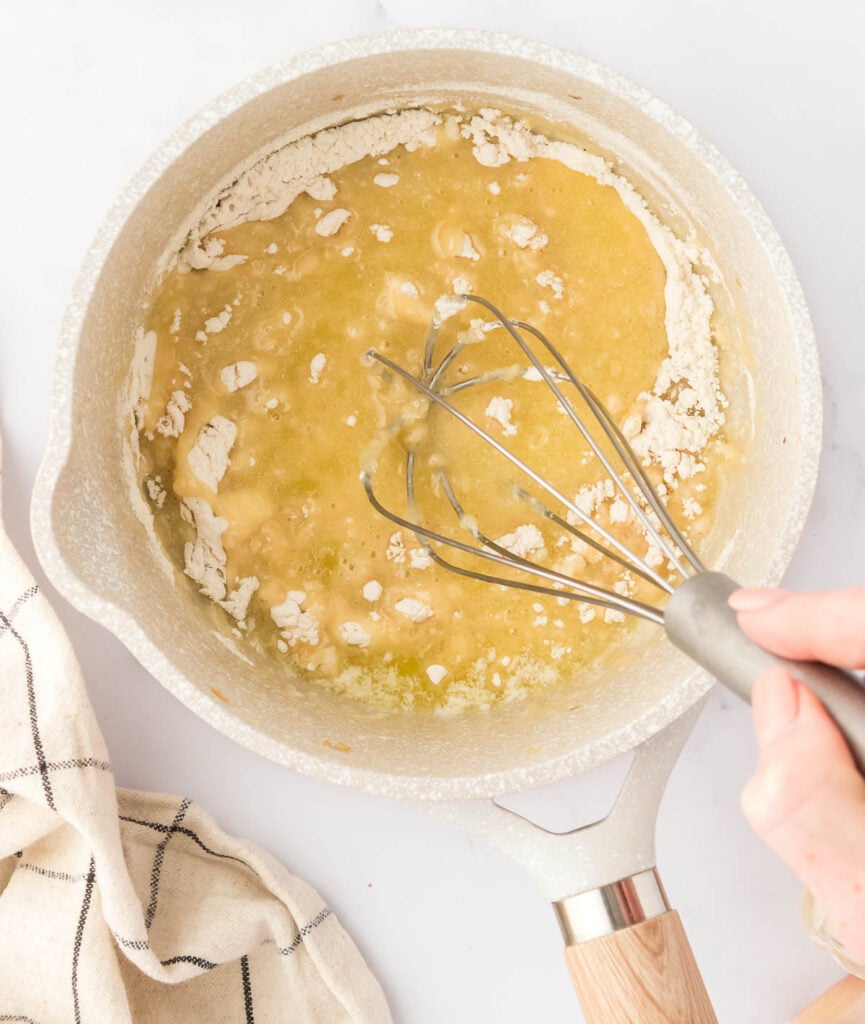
[699, 622]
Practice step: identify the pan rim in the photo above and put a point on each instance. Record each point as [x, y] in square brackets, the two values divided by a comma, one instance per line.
[60, 438]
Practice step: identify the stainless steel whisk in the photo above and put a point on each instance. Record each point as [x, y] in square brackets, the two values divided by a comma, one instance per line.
[695, 612]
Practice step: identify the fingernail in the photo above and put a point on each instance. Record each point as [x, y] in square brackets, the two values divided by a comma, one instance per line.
[752, 600]
[776, 704]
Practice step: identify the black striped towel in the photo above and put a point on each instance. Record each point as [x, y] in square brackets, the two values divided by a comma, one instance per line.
[118, 906]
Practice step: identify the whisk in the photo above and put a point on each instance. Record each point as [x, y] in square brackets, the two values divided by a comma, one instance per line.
[692, 601]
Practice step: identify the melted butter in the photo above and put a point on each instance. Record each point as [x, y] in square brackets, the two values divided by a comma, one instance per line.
[304, 308]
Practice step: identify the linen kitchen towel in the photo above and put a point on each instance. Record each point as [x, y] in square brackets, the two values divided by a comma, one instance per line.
[119, 907]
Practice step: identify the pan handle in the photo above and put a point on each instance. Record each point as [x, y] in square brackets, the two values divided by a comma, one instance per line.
[629, 957]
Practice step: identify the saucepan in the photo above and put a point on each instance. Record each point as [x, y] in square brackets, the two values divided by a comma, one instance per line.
[629, 955]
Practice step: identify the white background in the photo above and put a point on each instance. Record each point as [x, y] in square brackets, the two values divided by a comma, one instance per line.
[454, 931]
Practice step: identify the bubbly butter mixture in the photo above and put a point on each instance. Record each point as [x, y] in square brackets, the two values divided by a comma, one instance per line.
[256, 407]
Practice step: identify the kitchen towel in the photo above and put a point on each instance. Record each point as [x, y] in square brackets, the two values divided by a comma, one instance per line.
[120, 907]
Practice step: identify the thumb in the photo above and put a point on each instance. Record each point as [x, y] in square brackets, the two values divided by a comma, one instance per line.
[806, 800]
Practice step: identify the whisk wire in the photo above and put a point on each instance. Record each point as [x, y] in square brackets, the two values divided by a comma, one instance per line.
[647, 488]
[515, 460]
[574, 589]
[509, 557]
[547, 513]
[596, 408]
[643, 499]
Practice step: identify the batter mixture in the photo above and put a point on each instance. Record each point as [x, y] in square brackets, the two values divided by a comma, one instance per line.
[257, 407]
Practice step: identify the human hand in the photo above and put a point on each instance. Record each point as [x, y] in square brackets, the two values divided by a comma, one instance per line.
[806, 799]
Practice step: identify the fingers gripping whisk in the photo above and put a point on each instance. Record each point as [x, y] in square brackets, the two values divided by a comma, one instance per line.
[488, 560]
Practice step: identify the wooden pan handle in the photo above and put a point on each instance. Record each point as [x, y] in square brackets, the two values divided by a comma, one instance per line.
[644, 974]
[844, 1003]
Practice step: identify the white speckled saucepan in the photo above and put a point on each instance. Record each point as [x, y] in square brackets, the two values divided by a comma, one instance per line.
[96, 551]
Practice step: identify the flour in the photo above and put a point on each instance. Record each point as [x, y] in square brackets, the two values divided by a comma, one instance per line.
[208, 458]
[156, 492]
[685, 407]
[501, 409]
[237, 602]
[215, 324]
[209, 256]
[331, 222]
[205, 557]
[668, 427]
[414, 610]
[467, 249]
[524, 233]
[316, 367]
[270, 186]
[547, 279]
[296, 625]
[141, 373]
[524, 541]
[590, 498]
[447, 306]
[691, 508]
[386, 180]
[396, 549]
[321, 188]
[418, 558]
[620, 511]
[238, 375]
[354, 634]
[171, 424]
[205, 561]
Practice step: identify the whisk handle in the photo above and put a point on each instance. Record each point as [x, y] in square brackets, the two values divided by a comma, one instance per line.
[699, 622]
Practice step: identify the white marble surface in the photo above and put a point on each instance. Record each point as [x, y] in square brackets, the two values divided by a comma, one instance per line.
[453, 930]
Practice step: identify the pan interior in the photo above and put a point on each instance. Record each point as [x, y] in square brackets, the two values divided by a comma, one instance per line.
[116, 575]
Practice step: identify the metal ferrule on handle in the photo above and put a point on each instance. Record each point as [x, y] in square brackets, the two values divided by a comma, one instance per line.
[700, 622]
[629, 957]
[608, 909]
